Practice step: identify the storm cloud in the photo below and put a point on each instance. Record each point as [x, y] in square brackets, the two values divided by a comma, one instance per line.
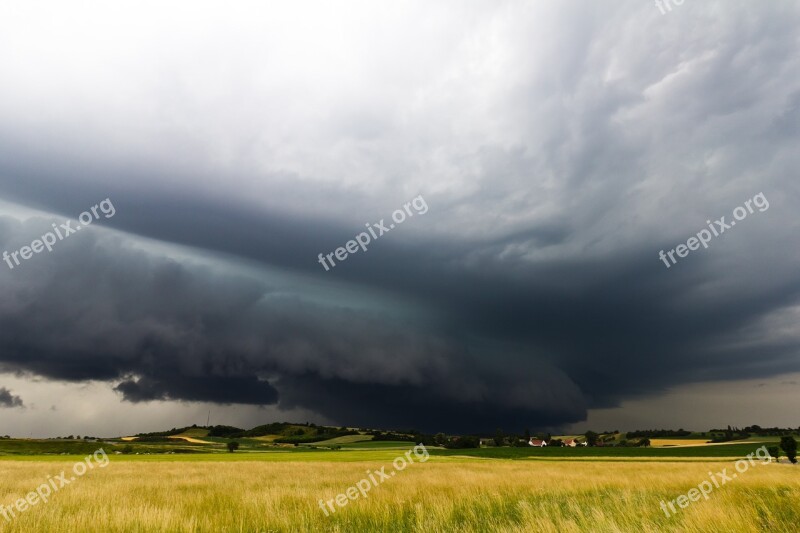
[559, 146]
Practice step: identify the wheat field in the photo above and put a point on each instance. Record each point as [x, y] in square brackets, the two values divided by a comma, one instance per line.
[441, 495]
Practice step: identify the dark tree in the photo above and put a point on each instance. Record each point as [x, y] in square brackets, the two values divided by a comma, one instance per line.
[233, 446]
[789, 447]
[499, 437]
[463, 442]
[774, 452]
[591, 438]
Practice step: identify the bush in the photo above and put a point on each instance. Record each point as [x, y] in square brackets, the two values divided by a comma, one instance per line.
[463, 442]
[789, 447]
[224, 431]
[774, 452]
[657, 433]
[171, 432]
[303, 438]
[154, 438]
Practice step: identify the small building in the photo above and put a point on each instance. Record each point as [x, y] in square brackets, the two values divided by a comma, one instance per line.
[537, 443]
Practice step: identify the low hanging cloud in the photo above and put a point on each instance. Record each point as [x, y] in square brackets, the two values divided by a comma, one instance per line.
[162, 328]
[172, 329]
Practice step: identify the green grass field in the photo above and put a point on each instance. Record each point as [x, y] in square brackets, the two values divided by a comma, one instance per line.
[345, 441]
[217, 445]
[727, 450]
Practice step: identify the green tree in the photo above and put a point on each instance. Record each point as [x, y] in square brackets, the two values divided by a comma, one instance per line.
[440, 439]
[774, 452]
[233, 446]
[591, 438]
[520, 443]
[499, 437]
[789, 447]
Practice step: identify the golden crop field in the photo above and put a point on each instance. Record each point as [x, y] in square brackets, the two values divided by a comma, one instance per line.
[441, 495]
[679, 442]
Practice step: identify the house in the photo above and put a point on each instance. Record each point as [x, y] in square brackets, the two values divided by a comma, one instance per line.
[538, 443]
[570, 442]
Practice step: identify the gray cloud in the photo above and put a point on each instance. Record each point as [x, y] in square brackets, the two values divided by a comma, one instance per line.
[9, 400]
[102, 308]
[559, 147]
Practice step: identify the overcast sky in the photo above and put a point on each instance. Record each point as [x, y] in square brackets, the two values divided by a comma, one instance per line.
[557, 148]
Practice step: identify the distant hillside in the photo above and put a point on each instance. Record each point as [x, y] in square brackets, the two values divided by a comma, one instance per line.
[278, 432]
[283, 432]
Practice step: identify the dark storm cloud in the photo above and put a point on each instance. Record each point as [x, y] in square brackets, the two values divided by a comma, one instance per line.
[9, 400]
[515, 345]
[533, 282]
[243, 390]
[97, 308]
[414, 407]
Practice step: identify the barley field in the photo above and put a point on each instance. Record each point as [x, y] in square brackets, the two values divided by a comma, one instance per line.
[444, 494]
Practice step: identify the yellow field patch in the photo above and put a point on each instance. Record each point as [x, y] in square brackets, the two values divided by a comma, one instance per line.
[176, 437]
[678, 442]
[439, 496]
[190, 439]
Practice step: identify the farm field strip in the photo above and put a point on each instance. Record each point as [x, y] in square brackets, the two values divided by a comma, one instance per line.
[444, 494]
